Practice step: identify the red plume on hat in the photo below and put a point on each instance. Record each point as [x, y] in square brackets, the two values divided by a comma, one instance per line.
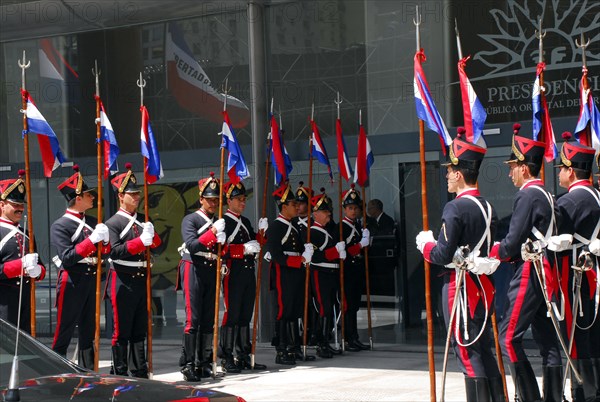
[21, 172]
[567, 136]
[516, 128]
[460, 131]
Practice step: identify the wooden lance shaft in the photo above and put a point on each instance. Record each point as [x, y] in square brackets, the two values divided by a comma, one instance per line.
[367, 280]
[342, 291]
[99, 252]
[148, 275]
[219, 265]
[307, 265]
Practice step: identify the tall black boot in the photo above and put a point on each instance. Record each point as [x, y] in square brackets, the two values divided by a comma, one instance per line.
[86, 358]
[596, 364]
[205, 355]
[283, 357]
[188, 358]
[496, 389]
[477, 389]
[228, 365]
[552, 382]
[587, 391]
[137, 360]
[315, 327]
[119, 359]
[525, 382]
[294, 347]
[355, 337]
[350, 336]
[244, 349]
[323, 343]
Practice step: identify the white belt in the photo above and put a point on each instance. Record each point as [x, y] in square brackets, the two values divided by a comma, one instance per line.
[87, 260]
[208, 256]
[294, 253]
[325, 265]
[129, 263]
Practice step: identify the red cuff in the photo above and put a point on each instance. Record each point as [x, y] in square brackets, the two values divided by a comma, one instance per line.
[12, 269]
[156, 241]
[105, 249]
[332, 254]
[427, 250]
[208, 239]
[135, 246]
[354, 250]
[42, 273]
[262, 240]
[85, 248]
[294, 261]
[236, 251]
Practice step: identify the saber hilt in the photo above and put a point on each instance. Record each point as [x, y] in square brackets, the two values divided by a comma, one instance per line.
[461, 257]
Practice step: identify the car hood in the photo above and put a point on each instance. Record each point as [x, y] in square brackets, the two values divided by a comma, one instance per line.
[97, 387]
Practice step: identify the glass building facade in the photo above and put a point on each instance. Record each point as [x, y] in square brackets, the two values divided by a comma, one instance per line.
[362, 49]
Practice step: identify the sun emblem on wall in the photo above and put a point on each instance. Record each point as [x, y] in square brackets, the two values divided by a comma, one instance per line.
[515, 45]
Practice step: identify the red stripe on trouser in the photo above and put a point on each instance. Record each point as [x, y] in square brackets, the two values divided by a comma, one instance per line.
[318, 292]
[225, 298]
[61, 298]
[113, 300]
[564, 282]
[516, 313]
[186, 295]
[462, 351]
[279, 296]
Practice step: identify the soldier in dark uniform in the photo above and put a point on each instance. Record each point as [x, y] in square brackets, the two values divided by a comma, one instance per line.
[201, 234]
[287, 266]
[76, 238]
[325, 269]
[239, 284]
[126, 282]
[532, 219]
[468, 221]
[578, 221]
[15, 260]
[356, 239]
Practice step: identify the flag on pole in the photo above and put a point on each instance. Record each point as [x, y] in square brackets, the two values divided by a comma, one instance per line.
[364, 158]
[425, 105]
[52, 156]
[588, 124]
[473, 112]
[279, 155]
[318, 150]
[344, 166]
[236, 164]
[542, 126]
[111, 148]
[154, 170]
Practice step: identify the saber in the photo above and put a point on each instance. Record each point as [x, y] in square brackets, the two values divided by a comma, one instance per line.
[461, 262]
[534, 255]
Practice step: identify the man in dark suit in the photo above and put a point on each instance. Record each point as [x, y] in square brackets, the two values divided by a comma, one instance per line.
[379, 223]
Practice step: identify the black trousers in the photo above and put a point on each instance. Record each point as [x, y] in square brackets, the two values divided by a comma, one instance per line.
[127, 294]
[325, 285]
[289, 290]
[9, 304]
[239, 292]
[199, 287]
[354, 283]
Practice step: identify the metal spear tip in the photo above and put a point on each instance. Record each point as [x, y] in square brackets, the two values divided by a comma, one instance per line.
[417, 20]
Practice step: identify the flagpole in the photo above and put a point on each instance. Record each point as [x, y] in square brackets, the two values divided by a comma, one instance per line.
[366, 249]
[261, 253]
[585, 84]
[308, 224]
[425, 211]
[215, 343]
[142, 83]
[96, 74]
[540, 35]
[25, 64]
[338, 102]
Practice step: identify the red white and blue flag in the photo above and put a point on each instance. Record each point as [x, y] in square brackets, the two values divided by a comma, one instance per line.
[55, 69]
[364, 158]
[111, 148]
[474, 114]
[318, 150]
[425, 105]
[588, 124]
[542, 126]
[344, 167]
[279, 156]
[191, 86]
[52, 156]
[154, 170]
[236, 164]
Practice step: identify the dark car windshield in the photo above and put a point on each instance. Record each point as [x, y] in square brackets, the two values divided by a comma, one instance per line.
[35, 359]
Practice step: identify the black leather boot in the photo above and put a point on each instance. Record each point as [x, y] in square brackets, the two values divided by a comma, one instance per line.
[525, 382]
[283, 357]
[323, 343]
[294, 347]
[119, 359]
[137, 360]
[496, 389]
[244, 349]
[86, 358]
[205, 355]
[585, 392]
[228, 365]
[552, 382]
[188, 357]
[477, 389]
[355, 338]
[596, 364]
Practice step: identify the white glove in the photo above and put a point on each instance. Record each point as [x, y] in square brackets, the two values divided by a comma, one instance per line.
[219, 224]
[251, 247]
[423, 238]
[263, 224]
[149, 228]
[560, 243]
[99, 234]
[146, 238]
[340, 246]
[29, 260]
[484, 265]
[33, 271]
[594, 247]
[309, 250]
[342, 254]
[366, 238]
[221, 237]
